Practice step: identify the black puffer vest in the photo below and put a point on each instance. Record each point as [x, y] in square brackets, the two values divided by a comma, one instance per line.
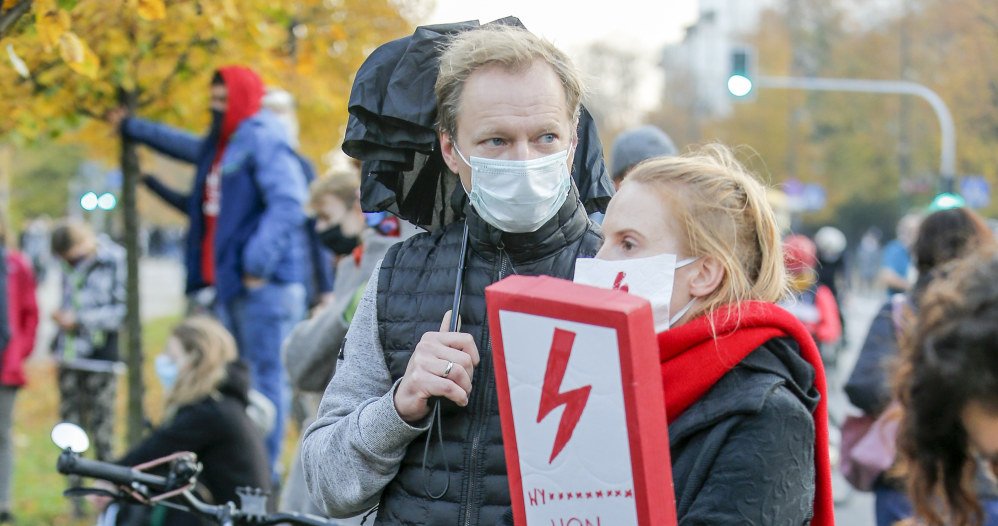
[415, 289]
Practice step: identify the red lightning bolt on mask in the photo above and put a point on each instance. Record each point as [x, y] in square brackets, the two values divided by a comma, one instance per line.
[618, 282]
[551, 395]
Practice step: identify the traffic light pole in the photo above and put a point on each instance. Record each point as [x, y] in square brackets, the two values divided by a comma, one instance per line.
[947, 164]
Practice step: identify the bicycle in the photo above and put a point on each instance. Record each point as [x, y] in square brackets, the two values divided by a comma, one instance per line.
[136, 485]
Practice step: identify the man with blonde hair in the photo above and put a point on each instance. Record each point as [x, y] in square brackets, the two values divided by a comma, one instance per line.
[508, 109]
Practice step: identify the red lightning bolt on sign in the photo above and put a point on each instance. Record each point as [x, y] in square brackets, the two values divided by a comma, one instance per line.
[619, 282]
[551, 395]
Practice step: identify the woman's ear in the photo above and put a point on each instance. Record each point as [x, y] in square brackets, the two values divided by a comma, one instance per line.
[707, 277]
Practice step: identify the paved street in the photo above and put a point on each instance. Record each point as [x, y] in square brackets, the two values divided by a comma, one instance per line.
[853, 508]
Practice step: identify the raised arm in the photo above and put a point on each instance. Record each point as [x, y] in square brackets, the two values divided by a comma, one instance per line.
[165, 139]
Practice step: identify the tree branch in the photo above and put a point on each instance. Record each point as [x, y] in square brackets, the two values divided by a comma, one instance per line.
[988, 21]
[181, 62]
[38, 87]
[9, 17]
[87, 113]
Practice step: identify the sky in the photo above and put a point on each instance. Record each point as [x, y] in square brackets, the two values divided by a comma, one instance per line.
[642, 26]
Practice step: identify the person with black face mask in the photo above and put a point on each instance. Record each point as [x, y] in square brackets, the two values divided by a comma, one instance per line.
[250, 247]
[359, 241]
[337, 242]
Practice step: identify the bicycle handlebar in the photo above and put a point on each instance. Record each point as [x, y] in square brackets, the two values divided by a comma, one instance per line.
[72, 464]
[120, 475]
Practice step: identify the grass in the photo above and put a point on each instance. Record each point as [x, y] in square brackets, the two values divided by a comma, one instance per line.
[37, 487]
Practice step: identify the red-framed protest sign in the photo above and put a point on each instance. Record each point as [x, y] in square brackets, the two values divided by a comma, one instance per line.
[581, 403]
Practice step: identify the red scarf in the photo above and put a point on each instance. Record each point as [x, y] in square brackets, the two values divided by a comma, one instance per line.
[692, 362]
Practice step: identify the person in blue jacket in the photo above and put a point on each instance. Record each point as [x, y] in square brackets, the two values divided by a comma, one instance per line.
[319, 261]
[246, 236]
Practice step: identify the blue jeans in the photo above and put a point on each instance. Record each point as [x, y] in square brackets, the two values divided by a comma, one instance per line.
[260, 319]
[892, 506]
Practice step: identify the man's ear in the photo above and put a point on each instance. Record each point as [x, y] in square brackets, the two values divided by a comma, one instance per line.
[447, 151]
[707, 277]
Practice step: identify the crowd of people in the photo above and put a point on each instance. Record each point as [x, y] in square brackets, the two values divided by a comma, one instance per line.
[305, 309]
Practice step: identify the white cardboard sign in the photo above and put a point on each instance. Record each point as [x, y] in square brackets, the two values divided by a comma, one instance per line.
[582, 405]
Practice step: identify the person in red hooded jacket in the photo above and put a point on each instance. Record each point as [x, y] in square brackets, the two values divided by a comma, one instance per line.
[246, 241]
[813, 303]
[22, 316]
[745, 392]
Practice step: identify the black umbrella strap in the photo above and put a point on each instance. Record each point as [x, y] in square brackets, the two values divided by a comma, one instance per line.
[436, 417]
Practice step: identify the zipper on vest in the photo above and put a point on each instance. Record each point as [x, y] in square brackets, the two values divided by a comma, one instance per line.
[502, 262]
[481, 405]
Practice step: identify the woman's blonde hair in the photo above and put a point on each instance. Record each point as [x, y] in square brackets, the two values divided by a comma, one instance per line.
[209, 348]
[724, 212]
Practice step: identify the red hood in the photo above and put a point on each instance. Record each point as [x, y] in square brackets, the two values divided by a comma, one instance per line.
[245, 92]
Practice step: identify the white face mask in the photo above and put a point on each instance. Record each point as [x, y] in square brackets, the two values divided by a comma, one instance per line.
[518, 196]
[651, 278]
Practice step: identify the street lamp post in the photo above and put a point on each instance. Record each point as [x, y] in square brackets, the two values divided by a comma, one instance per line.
[947, 162]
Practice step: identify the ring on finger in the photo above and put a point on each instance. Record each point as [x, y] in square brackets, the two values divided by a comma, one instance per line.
[447, 370]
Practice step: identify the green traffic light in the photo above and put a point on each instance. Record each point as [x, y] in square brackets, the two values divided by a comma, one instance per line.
[946, 201]
[739, 85]
[107, 201]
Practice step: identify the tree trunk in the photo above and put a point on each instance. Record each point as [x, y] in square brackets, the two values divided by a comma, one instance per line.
[13, 14]
[133, 325]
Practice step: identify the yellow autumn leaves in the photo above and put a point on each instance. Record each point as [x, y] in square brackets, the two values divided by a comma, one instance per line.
[54, 29]
[150, 9]
[53, 25]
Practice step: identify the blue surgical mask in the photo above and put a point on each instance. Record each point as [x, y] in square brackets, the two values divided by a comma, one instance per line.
[518, 196]
[166, 370]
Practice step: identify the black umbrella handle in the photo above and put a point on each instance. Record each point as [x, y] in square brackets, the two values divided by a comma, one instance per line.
[455, 314]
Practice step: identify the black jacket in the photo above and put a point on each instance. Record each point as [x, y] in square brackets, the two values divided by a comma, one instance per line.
[717, 442]
[868, 387]
[415, 288]
[216, 429]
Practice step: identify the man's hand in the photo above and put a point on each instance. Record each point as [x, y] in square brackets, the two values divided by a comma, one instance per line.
[252, 282]
[326, 299]
[427, 374]
[100, 502]
[115, 116]
[65, 319]
[892, 279]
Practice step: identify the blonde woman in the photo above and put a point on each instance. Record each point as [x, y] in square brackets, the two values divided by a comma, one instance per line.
[744, 384]
[205, 413]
